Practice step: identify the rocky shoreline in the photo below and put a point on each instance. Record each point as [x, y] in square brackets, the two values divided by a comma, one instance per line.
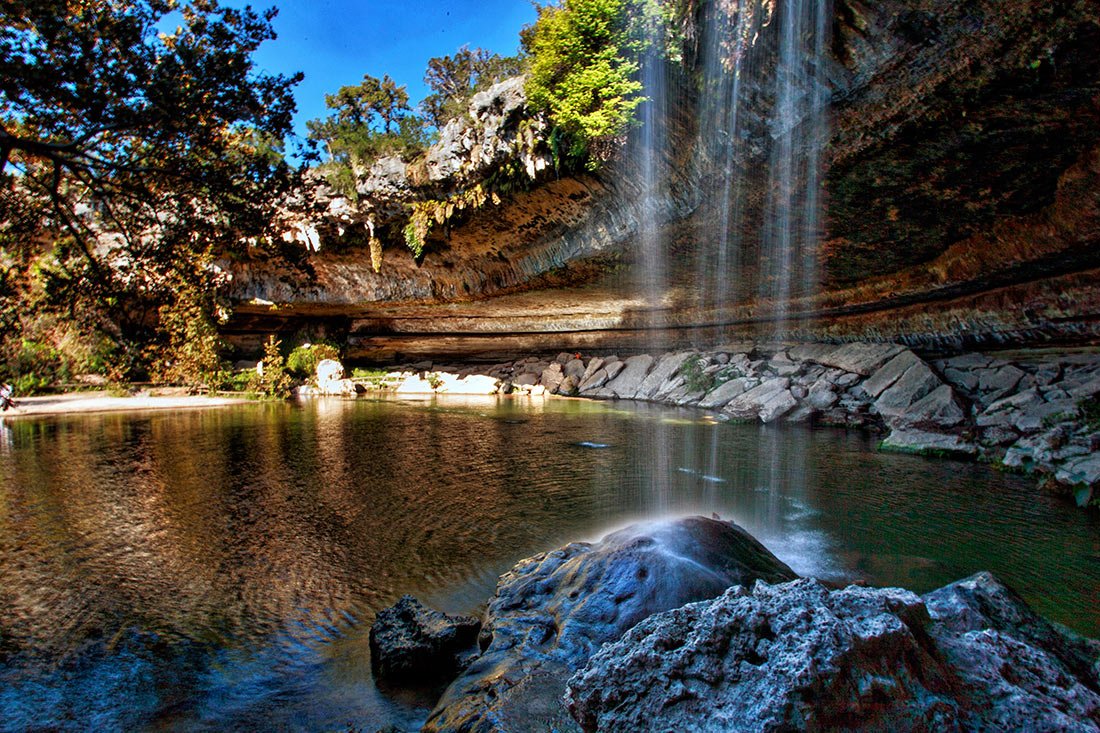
[1035, 413]
[691, 624]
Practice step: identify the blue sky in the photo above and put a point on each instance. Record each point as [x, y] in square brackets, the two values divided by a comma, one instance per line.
[335, 42]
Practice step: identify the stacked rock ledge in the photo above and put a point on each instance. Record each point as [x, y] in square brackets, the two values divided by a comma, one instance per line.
[1037, 415]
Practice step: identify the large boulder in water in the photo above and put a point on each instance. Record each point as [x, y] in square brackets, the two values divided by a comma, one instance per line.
[553, 611]
[798, 656]
[410, 642]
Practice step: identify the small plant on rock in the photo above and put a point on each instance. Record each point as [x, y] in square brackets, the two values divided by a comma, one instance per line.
[695, 377]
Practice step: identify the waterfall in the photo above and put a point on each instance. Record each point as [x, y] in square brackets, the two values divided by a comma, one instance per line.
[761, 129]
[651, 157]
[726, 63]
[654, 113]
[798, 131]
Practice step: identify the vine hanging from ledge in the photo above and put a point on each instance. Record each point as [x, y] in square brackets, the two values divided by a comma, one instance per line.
[426, 214]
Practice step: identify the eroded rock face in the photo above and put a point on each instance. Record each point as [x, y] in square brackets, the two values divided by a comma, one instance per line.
[797, 656]
[964, 161]
[553, 611]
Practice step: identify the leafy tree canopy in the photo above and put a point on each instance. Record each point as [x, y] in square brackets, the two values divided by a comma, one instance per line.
[369, 120]
[585, 58]
[455, 79]
[131, 158]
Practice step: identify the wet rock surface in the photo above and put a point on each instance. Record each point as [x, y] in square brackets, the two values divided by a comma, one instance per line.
[798, 656]
[553, 611]
[413, 644]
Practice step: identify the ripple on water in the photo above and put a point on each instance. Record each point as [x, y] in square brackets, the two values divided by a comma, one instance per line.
[220, 569]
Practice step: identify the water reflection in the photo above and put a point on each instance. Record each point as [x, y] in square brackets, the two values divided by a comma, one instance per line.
[219, 569]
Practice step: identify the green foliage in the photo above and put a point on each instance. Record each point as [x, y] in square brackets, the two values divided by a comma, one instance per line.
[130, 159]
[43, 350]
[303, 360]
[369, 374]
[584, 64]
[414, 239]
[1090, 412]
[191, 355]
[695, 379]
[455, 79]
[239, 381]
[369, 120]
[271, 378]
[35, 367]
[431, 212]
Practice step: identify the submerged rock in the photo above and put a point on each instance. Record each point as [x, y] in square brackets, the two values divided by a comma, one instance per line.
[553, 611]
[411, 643]
[798, 656]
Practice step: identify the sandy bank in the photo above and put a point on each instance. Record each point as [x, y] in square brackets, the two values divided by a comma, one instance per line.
[85, 402]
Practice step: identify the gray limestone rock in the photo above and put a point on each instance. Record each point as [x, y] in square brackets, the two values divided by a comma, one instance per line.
[613, 366]
[890, 373]
[798, 656]
[801, 413]
[552, 377]
[1087, 389]
[666, 367]
[769, 400]
[411, 643]
[999, 435]
[527, 379]
[810, 352]
[924, 442]
[1015, 670]
[996, 383]
[966, 381]
[668, 387]
[574, 368]
[783, 367]
[1083, 470]
[553, 611]
[594, 381]
[779, 658]
[845, 379]
[860, 358]
[822, 396]
[386, 178]
[939, 408]
[634, 372]
[594, 365]
[917, 381]
[723, 393]
[966, 362]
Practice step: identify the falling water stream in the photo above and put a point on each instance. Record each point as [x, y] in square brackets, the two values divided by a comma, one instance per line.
[784, 235]
[798, 124]
[651, 151]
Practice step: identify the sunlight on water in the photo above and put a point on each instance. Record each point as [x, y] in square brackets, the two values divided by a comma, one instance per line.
[220, 569]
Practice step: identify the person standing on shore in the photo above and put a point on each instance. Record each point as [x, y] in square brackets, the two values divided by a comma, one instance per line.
[6, 392]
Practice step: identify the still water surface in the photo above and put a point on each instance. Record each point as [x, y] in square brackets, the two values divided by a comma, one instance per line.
[219, 569]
